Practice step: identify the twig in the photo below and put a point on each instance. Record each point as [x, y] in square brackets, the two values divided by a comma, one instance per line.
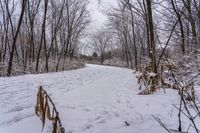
[161, 123]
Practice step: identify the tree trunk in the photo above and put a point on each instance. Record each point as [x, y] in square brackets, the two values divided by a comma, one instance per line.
[15, 38]
[42, 37]
[187, 4]
[134, 38]
[181, 27]
[152, 39]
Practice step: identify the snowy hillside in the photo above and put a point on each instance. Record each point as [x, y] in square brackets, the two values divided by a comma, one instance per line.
[95, 99]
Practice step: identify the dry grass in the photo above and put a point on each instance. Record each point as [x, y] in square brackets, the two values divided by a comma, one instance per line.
[45, 109]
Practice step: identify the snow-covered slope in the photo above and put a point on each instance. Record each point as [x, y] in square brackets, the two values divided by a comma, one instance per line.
[95, 99]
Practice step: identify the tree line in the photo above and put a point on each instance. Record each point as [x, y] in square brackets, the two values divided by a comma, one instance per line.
[146, 30]
[40, 34]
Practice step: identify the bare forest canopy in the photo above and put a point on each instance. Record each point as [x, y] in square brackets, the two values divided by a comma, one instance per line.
[45, 35]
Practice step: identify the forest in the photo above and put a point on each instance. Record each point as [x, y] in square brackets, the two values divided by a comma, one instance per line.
[155, 41]
[41, 36]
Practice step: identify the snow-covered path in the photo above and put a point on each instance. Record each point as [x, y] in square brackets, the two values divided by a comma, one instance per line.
[95, 99]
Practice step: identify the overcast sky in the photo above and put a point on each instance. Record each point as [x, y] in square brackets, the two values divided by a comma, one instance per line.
[98, 18]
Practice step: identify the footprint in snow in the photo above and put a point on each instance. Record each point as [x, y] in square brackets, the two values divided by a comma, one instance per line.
[87, 126]
[87, 110]
[17, 118]
[70, 131]
[18, 108]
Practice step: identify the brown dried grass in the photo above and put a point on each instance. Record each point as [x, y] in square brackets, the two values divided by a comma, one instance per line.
[44, 111]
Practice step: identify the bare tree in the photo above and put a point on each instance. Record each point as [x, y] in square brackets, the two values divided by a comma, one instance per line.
[23, 7]
[32, 11]
[179, 17]
[101, 43]
[76, 19]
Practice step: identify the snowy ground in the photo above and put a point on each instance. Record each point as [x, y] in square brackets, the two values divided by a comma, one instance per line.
[95, 99]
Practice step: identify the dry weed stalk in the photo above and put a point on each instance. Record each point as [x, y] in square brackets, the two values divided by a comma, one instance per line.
[149, 80]
[151, 85]
[157, 81]
[44, 111]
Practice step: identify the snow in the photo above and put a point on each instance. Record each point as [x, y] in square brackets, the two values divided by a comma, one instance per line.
[151, 74]
[95, 99]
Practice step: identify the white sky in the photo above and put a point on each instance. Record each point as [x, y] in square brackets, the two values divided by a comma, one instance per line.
[98, 18]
